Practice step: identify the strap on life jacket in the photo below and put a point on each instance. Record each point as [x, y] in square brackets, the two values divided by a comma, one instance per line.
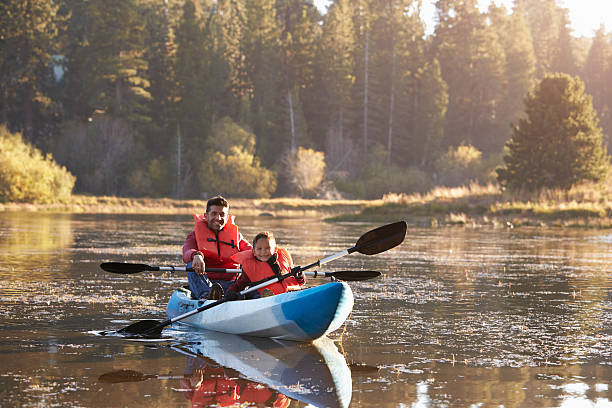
[232, 243]
[273, 262]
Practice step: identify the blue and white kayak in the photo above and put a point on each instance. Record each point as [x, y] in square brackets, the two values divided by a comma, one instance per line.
[303, 315]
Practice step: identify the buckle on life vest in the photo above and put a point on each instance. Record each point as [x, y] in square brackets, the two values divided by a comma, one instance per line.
[232, 243]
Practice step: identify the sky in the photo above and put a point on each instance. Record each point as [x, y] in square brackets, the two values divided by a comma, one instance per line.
[585, 15]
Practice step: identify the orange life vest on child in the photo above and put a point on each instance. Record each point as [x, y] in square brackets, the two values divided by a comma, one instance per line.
[257, 270]
[217, 248]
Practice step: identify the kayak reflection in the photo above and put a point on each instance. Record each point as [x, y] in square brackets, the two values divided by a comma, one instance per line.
[269, 371]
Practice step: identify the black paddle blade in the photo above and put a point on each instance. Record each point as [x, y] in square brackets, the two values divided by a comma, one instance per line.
[125, 268]
[120, 376]
[354, 275]
[150, 328]
[382, 238]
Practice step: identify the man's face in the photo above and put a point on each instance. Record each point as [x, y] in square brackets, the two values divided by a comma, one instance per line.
[216, 217]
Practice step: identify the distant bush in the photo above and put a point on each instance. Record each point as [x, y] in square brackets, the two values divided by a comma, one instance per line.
[305, 170]
[154, 180]
[458, 166]
[378, 178]
[231, 167]
[28, 176]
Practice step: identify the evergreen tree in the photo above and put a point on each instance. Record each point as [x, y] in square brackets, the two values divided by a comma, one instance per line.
[159, 54]
[336, 64]
[563, 55]
[28, 32]
[597, 81]
[299, 33]
[194, 114]
[414, 98]
[267, 95]
[559, 143]
[515, 39]
[472, 62]
[544, 35]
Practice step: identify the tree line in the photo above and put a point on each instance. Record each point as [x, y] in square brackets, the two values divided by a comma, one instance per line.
[271, 97]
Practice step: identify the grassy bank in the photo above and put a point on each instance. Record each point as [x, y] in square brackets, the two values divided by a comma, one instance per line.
[585, 206]
[282, 207]
[472, 205]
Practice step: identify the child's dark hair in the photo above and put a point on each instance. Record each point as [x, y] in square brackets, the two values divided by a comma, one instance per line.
[217, 200]
[265, 234]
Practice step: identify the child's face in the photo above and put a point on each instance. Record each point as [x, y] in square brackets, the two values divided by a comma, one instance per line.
[264, 248]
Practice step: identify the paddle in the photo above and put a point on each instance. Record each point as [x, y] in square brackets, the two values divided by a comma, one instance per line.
[130, 268]
[372, 242]
[125, 375]
[153, 328]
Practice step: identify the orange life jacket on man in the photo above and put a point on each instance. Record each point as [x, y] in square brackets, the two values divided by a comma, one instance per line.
[257, 270]
[221, 391]
[217, 248]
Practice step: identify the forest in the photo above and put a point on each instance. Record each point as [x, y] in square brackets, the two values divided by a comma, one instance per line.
[187, 99]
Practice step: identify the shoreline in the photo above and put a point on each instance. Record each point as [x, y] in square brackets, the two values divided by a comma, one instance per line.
[473, 210]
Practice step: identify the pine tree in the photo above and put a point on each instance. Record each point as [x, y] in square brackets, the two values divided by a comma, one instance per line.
[28, 31]
[545, 35]
[337, 64]
[563, 55]
[267, 95]
[159, 54]
[472, 62]
[559, 143]
[597, 82]
[516, 41]
[194, 113]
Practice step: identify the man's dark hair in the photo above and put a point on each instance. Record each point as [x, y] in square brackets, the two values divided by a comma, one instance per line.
[217, 200]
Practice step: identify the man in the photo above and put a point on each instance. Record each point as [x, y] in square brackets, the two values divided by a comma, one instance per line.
[213, 241]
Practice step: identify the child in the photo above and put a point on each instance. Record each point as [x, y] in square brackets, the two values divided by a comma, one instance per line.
[264, 261]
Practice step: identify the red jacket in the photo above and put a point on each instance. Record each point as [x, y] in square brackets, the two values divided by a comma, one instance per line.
[256, 270]
[217, 258]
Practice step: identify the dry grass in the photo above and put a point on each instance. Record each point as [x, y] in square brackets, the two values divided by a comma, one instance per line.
[239, 206]
[472, 204]
[587, 205]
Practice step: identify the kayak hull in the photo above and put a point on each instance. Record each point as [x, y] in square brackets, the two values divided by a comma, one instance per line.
[303, 315]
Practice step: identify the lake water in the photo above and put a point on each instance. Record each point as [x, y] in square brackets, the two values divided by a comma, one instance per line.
[460, 317]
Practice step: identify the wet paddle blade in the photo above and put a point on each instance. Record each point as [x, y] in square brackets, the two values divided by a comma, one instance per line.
[148, 327]
[382, 238]
[120, 376]
[124, 268]
[354, 275]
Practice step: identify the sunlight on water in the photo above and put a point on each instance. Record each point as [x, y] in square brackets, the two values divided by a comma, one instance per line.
[460, 317]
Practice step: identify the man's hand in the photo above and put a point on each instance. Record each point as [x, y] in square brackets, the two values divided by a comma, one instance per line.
[198, 264]
[297, 273]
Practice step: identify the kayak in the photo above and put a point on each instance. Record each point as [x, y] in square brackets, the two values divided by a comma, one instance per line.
[315, 373]
[303, 315]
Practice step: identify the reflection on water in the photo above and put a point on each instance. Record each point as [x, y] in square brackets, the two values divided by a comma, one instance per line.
[315, 373]
[40, 238]
[460, 317]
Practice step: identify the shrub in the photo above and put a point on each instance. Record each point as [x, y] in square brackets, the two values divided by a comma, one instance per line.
[231, 167]
[378, 178]
[237, 174]
[26, 175]
[459, 166]
[305, 169]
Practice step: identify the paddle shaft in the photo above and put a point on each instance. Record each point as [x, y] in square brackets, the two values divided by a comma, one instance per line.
[185, 269]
